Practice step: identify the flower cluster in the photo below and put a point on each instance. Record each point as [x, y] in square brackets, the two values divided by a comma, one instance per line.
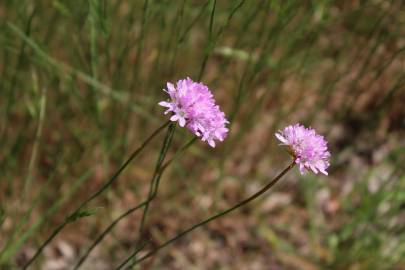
[308, 148]
[192, 105]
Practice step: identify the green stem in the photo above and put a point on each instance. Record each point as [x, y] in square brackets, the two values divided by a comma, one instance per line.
[36, 145]
[209, 42]
[107, 231]
[154, 184]
[242, 203]
[71, 218]
[133, 209]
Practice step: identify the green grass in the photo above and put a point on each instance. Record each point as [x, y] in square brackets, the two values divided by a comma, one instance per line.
[79, 87]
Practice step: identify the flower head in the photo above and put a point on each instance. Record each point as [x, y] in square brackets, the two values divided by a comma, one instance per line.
[193, 106]
[309, 149]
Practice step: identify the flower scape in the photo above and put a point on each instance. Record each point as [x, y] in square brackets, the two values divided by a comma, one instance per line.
[193, 106]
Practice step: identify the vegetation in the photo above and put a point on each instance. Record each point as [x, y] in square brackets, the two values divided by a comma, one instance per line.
[79, 85]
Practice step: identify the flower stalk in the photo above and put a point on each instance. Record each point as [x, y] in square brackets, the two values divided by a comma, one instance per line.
[157, 176]
[221, 214]
[77, 212]
[154, 184]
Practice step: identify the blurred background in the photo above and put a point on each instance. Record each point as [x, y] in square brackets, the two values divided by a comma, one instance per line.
[79, 85]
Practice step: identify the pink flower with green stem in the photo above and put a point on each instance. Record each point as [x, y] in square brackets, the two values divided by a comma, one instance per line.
[308, 149]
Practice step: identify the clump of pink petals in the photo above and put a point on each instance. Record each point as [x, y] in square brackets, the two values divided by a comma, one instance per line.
[309, 149]
[193, 106]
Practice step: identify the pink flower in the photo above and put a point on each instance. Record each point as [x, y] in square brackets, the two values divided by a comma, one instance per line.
[193, 106]
[309, 149]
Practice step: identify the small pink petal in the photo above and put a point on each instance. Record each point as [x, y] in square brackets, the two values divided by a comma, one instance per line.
[313, 168]
[281, 138]
[211, 142]
[174, 118]
[165, 104]
[170, 87]
[302, 168]
[182, 121]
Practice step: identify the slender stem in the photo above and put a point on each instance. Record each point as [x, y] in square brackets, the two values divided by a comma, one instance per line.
[35, 148]
[14, 79]
[133, 209]
[106, 231]
[69, 219]
[178, 154]
[209, 42]
[242, 203]
[133, 155]
[160, 169]
[158, 176]
[154, 184]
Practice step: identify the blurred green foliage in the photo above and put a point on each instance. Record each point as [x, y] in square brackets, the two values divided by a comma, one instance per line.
[96, 70]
